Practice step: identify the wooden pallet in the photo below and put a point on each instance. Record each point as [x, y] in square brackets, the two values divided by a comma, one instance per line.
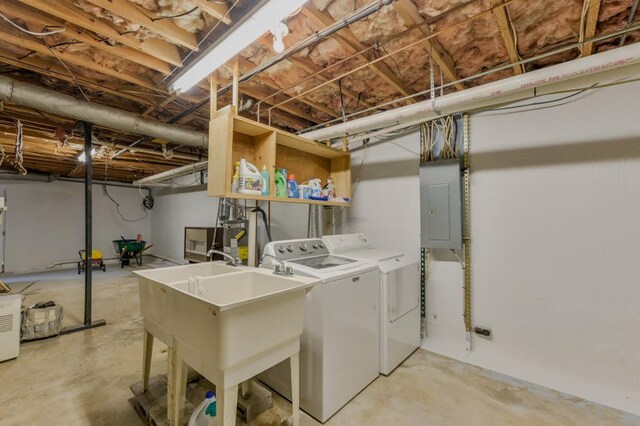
[152, 405]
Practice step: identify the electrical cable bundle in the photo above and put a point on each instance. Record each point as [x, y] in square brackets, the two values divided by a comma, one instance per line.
[438, 140]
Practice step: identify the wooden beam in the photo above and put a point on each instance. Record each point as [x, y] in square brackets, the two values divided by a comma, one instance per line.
[506, 30]
[213, 92]
[158, 48]
[79, 60]
[124, 52]
[217, 10]
[351, 43]
[137, 15]
[590, 25]
[411, 16]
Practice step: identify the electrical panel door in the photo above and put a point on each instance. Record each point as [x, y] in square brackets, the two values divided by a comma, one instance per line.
[441, 204]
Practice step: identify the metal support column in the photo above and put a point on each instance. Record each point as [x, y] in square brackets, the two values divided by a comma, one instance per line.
[88, 246]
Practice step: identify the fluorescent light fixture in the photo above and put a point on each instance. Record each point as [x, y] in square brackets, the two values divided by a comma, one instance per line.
[249, 31]
[82, 157]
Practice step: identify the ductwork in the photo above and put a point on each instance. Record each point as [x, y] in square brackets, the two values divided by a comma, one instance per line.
[511, 89]
[41, 99]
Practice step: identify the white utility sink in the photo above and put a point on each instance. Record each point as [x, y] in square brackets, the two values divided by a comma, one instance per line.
[244, 321]
[154, 304]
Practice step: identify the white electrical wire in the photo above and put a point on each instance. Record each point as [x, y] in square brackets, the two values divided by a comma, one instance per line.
[31, 32]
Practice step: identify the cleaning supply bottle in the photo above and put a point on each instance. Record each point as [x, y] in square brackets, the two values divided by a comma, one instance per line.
[281, 184]
[250, 181]
[265, 176]
[316, 187]
[292, 187]
[205, 413]
[236, 178]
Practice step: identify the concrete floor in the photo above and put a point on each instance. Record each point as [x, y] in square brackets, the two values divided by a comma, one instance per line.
[84, 378]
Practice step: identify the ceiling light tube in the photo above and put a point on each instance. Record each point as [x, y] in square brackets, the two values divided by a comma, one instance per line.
[247, 32]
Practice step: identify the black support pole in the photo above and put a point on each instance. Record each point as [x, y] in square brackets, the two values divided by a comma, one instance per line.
[88, 216]
[88, 243]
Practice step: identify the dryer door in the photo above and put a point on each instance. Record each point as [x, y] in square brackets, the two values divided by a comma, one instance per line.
[403, 286]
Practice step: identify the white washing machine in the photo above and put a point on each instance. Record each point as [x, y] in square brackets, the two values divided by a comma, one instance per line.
[399, 296]
[341, 335]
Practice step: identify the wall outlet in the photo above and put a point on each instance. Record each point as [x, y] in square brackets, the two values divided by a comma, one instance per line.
[483, 332]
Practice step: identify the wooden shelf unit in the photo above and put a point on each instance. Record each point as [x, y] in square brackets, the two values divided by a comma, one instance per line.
[232, 137]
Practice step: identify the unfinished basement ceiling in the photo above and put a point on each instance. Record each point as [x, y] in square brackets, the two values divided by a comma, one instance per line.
[124, 53]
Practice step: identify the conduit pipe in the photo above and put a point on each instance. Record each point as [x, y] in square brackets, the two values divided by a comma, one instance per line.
[173, 173]
[31, 96]
[511, 89]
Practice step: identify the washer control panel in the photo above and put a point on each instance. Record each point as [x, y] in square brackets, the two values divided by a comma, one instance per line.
[294, 249]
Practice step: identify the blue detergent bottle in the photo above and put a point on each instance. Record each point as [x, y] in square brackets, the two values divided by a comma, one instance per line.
[292, 187]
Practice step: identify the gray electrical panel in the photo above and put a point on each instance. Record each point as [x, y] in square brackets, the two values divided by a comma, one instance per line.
[441, 204]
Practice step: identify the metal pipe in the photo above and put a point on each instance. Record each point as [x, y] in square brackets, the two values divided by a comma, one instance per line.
[41, 177]
[88, 216]
[632, 14]
[507, 90]
[180, 171]
[483, 73]
[42, 99]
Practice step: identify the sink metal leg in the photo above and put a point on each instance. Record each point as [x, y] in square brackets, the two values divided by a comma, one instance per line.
[147, 349]
[228, 403]
[294, 361]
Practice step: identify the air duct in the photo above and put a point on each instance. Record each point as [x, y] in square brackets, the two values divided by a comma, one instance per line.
[41, 99]
[511, 89]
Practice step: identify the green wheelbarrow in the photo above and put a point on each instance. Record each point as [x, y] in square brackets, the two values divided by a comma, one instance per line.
[130, 249]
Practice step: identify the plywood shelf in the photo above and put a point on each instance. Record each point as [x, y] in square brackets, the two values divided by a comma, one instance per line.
[232, 138]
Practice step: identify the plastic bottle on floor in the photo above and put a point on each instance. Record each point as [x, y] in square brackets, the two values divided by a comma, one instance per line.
[205, 413]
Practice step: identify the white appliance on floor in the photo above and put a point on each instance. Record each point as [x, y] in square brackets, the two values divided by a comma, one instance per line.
[399, 296]
[339, 353]
[10, 326]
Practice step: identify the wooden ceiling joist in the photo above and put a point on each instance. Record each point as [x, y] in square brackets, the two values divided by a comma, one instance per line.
[410, 15]
[217, 10]
[246, 66]
[590, 24]
[11, 8]
[507, 32]
[137, 15]
[158, 48]
[351, 43]
[78, 60]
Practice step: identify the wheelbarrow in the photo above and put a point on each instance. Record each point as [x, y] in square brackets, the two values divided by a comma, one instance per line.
[130, 249]
[96, 259]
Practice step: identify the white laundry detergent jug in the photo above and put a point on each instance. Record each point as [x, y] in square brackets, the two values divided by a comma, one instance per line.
[251, 181]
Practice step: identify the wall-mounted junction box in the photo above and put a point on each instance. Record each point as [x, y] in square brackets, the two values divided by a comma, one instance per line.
[441, 204]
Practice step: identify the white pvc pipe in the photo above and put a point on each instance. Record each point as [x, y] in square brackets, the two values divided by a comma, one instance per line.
[507, 90]
[179, 171]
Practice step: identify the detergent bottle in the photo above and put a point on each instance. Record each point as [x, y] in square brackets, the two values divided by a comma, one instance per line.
[236, 178]
[205, 413]
[265, 176]
[281, 184]
[316, 187]
[250, 181]
[292, 187]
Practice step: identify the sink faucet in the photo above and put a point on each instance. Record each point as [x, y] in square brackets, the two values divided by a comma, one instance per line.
[233, 261]
[280, 268]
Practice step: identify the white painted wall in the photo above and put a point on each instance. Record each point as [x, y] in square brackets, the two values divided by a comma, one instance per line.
[554, 205]
[45, 222]
[174, 211]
